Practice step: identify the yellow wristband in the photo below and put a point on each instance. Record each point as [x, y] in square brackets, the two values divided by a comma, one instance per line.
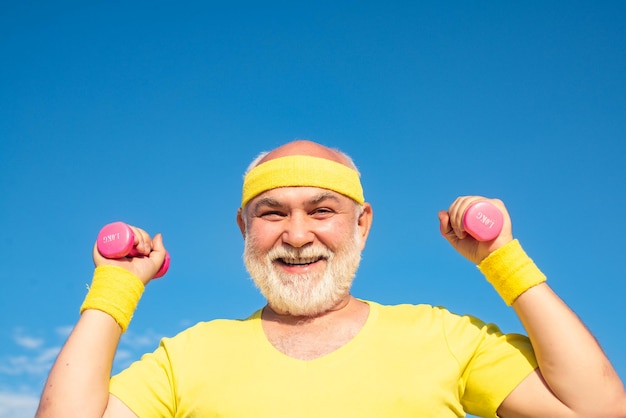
[510, 271]
[115, 291]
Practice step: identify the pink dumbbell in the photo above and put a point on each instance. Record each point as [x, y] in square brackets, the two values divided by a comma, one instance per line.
[483, 221]
[116, 240]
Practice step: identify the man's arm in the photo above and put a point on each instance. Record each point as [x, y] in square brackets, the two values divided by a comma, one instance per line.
[78, 383]
[574, 377]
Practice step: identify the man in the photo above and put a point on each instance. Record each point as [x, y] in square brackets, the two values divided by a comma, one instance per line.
[316, 351]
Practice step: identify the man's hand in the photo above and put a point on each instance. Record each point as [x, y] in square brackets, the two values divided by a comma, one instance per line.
[452, 228]
[146, 257]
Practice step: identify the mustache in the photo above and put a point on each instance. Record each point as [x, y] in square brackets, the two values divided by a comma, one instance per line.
[303, 255]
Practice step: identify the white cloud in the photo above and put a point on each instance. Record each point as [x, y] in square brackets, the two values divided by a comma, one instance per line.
[28, 342]
[148, 339]
[37, 365]
[64, 331]
[123, 355]
[18, 405]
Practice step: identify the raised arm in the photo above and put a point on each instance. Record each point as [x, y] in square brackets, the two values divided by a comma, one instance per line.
[574, 378]
[78, 384]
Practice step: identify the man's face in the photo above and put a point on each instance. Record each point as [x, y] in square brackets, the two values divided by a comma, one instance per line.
[303, 247]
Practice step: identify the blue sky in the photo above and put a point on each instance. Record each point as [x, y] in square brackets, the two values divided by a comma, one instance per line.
[149, 112]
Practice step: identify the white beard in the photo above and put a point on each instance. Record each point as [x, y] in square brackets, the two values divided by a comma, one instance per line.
[309, 294]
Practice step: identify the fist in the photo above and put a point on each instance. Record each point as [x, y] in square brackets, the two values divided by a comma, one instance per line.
[453, 224]
[131, 248]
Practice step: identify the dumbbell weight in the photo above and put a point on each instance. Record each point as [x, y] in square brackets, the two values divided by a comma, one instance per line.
[116, 240]
[483, 221]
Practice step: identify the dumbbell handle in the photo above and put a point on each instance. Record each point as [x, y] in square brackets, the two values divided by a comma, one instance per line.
[117, 240]
[483, 221]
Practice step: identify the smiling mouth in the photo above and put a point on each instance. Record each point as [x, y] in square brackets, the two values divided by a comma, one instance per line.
[299, 261]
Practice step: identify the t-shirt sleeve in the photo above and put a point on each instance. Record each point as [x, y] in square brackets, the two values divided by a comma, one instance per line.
[492, 363]
[145, 387]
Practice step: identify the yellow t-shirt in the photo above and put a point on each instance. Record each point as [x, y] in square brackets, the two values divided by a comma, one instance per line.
[407, 361]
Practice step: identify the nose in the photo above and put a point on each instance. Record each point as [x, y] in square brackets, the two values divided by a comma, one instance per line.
[297, 231]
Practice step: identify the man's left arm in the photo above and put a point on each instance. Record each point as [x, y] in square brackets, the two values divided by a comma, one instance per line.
[574, 377]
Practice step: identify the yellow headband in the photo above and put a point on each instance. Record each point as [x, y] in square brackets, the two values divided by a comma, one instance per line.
[302, 170]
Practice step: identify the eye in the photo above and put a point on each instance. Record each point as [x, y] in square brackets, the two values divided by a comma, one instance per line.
[322, 212]
[271, 215]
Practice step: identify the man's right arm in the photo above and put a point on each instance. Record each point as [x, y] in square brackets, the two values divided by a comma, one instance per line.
[78, 383]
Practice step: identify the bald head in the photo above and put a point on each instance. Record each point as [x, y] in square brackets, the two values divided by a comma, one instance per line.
[304, 147]
[310, 148]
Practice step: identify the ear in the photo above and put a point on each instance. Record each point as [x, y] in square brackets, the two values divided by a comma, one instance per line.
[241, 223]
[364, 223]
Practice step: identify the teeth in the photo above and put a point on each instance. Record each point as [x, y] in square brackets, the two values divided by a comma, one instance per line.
[299, 261]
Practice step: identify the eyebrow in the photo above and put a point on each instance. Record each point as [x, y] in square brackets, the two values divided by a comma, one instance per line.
[324, 196]
[273, 203]
[266, 201]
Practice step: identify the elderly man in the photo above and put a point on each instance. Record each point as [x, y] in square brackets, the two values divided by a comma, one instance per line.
[316, 351]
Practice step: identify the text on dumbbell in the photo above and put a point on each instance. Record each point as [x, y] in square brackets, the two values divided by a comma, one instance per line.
[484, 219]
[111, 237]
